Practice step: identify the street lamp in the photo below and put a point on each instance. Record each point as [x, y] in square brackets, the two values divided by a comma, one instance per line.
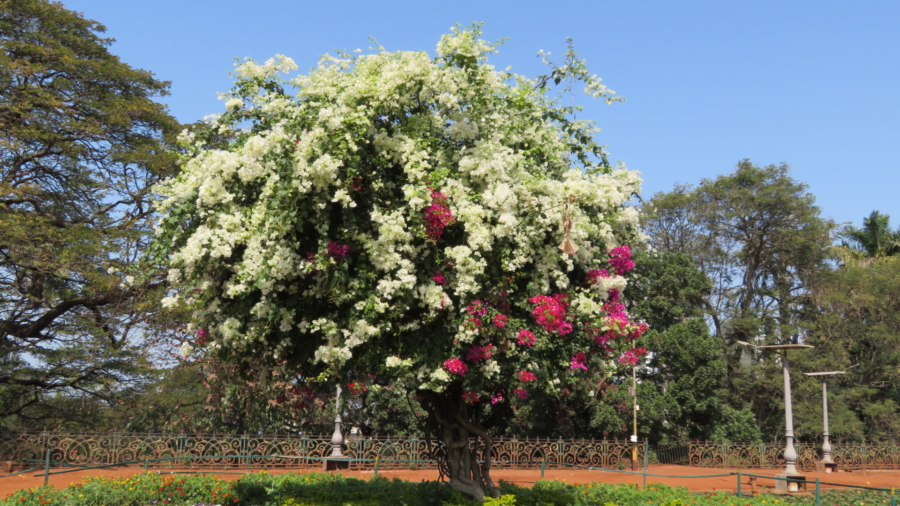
[827, 465]
[791, 480]
[634, 406]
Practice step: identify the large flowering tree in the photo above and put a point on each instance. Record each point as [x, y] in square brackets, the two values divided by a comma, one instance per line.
[396, 218]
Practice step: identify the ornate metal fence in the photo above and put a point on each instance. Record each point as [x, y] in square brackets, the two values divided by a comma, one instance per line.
[884, 455]
[220, 451]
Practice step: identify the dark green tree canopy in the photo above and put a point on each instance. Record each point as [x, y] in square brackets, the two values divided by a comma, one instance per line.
[81, 141]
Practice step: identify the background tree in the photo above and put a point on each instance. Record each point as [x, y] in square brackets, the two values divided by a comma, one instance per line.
[433, 223]
[681, 391]
[857, 321]
[874, 240]
[81, 141]
[758, 235]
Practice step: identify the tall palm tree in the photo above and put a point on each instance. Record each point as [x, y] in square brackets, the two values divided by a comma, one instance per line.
[875, 239]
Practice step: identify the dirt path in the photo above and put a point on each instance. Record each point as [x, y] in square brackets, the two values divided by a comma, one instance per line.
[524, 477]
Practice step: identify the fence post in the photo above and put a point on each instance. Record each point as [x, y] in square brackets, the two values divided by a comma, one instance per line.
[739, 484]
[305, 442]
[543, 465]
[646, 458]
[559, 450]
[376, 465]
[893, 498]
[146, 466]
[818, 497]
[249, 459]
[47, 466]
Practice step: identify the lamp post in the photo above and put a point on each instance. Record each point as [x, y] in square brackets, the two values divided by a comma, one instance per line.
[827, 465]
[634, 437]
[791, 480]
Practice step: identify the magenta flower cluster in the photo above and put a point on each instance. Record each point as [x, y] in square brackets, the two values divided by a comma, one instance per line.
[479, 353]
[456, 366]
[437, 216]
[470, 397]
[620, 259]
[526, 376]
[337, 250]
[551, 312]
[477, 308]
[578, 361]
[594, 275]
[631, 357]
[525, 338]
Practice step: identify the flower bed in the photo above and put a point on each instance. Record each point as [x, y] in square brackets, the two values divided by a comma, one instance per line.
[337, 490]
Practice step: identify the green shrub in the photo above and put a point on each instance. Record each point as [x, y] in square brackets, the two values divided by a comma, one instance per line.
[263, 489]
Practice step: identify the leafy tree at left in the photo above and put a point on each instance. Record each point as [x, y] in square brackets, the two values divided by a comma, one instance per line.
[81, 142]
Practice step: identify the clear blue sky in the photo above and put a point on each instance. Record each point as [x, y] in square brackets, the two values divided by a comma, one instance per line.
[815, 84]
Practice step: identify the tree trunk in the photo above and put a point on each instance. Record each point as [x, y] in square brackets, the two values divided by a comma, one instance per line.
[454, 422]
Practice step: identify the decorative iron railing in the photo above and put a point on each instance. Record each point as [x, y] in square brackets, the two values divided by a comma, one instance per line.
[761, 455]
[220, 451]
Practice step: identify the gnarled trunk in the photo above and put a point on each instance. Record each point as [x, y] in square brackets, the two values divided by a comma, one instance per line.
[455, 423]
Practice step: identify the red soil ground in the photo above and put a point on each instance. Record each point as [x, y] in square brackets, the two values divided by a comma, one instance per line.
[524, 477]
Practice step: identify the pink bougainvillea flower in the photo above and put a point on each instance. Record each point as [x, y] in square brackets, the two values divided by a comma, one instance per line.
[439, 278]
[632, 357]
[437, 216]
[476, 308]
[551, 313]
[526, 376]
[525, 338]
[497, 398]
[578, 361]
[500, 321]
[637, 331]
[614, 295]
[470, 397]
[594, 275]
[456, 366]
[337, 250]
[479, 353]
[473, 323]
[620, 259]
[521, 393]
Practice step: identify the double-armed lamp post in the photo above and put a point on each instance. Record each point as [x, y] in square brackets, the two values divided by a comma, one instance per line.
[790, 480]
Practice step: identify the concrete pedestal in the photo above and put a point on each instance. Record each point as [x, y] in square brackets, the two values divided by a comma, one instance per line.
[335, 463]
[790, 482]
[826, 467]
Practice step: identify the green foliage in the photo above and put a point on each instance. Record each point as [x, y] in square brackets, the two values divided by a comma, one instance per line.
[735, 425]
[875, 239]
[81, 141]
[857, 321]
[503, 500]
[336, 490]
[667, 288]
